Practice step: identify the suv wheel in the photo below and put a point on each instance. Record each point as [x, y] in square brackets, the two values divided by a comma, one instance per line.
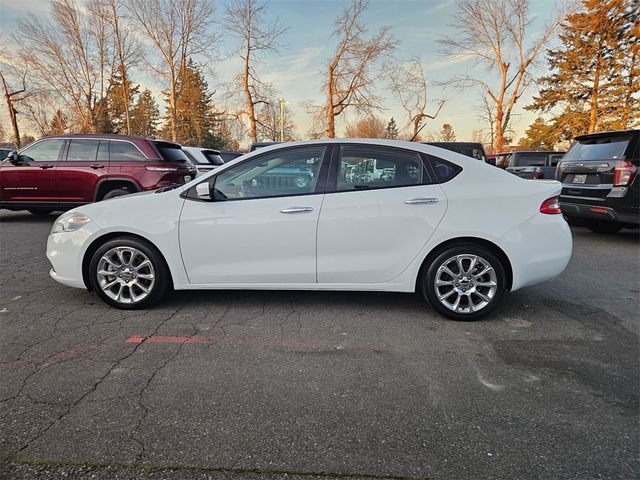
[604, 227]
[465, 282]
[129, 274]
[115, 193]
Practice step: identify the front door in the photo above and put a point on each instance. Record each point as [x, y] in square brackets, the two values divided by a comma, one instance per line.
[383, 211]
[31, 180]
[260, 226]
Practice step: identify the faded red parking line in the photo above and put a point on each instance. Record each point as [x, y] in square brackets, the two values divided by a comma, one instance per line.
[289, 343]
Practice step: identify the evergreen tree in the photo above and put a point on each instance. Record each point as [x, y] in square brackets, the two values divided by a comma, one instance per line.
[595, 70]
[58, 124]
[447, 134]
[117, 101]
[540, 136]
[391, 129]
[195, 122]
[145, 115]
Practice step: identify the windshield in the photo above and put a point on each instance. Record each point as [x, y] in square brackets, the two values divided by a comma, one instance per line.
[600, 148]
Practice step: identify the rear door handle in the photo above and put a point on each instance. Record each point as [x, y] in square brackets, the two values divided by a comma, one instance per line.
[296, 210]
[96, 166]
[416, 201]
[44, 167]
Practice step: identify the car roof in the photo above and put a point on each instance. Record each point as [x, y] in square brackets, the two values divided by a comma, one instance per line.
[610, 133]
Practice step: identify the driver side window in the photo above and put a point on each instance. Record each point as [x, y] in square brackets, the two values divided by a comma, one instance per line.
[283, 172]
[43, 151]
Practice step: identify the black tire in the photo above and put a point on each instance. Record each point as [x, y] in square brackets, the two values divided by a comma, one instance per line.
[115, 193]
[158, 288]
[40, 211]
[430, 272]
[604, 227]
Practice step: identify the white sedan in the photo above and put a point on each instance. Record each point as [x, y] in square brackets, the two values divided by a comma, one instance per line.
[375, 215]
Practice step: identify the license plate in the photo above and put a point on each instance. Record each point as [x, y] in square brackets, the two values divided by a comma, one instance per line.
[579, 178]
[187, 178]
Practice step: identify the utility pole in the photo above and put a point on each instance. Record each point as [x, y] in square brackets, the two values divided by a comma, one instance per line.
[282, 101]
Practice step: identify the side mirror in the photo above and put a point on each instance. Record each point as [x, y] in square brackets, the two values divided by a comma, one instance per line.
[13, 157]
[203, 191]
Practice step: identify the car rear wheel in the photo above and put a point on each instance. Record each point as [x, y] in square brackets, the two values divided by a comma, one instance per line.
[129, 274]
[115, 193]
[464, 282]
[604, 227]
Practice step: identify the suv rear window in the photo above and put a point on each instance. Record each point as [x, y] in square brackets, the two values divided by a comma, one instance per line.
[213, 157]
[171, 152]
[599, 148]
[529, 160]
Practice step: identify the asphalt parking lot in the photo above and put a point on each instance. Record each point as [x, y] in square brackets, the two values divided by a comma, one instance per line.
[319, 385]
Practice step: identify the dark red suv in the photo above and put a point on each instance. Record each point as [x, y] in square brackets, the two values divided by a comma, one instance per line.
[58, 173]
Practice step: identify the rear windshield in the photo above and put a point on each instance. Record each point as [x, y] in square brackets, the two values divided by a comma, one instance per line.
[529, 160]
[600, 148]
[213, 158]
[171, 152]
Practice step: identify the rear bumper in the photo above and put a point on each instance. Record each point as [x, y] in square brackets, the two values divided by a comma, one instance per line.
[599, 211]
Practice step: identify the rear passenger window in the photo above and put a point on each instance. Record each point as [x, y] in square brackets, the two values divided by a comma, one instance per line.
[365, 167]
[125, 151]
[83, 150]
[444, 170]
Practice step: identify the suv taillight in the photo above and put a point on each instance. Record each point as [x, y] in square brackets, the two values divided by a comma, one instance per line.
[625, 171]
[551, 206]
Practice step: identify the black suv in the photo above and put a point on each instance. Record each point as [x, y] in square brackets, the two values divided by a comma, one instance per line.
[600, 185]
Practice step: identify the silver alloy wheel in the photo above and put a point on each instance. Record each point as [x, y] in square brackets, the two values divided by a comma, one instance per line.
[125, 274]
[465, 283]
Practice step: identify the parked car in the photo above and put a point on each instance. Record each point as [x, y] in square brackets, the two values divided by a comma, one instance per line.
[502, 160]
[600, 184]
[62, 172]
[470, 149]
[204, 159]
[462, 233]
[257, 145]
[4, 153]
[228, 155]
[534, 165]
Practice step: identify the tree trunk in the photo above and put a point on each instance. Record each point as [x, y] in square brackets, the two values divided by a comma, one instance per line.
[629, 91]
[173, 110]
[12, 114]
[331, 119]
[251, 112]
[499, 132]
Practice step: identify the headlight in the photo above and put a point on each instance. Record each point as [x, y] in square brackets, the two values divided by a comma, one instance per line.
[70, 222]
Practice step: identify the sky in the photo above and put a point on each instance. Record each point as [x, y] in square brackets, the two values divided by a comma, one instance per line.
[295, 71]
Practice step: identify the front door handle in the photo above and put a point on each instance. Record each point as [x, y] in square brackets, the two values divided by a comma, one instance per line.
[96, 166]
[296, 210]
[44, 167]
[417, 201]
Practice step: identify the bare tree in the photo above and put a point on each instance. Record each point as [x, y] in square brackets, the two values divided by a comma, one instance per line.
[70, 57]
[12, 97]
[409, 84]
[245, 21]
[494, 34]
[366, 127]
[177, 31]
[126, 47]
[357, 64]
[268, 122]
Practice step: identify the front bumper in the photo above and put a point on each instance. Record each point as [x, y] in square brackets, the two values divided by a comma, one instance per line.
[65, 252]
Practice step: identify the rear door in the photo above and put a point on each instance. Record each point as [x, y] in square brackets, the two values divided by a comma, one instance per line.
[83, 165]
[32, 179]
[381, 212]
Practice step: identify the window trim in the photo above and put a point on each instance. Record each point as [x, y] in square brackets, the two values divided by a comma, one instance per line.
[190, 193]
[332, 181]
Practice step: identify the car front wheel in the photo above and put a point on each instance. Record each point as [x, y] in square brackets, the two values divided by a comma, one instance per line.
[465, 282]
[129, 274]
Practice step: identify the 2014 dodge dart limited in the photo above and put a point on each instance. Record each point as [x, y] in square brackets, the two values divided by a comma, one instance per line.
[375, 215]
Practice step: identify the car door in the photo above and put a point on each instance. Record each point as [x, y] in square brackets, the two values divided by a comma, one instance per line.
[382, 212]
[260, 226]
[86, 161]
[31, 179]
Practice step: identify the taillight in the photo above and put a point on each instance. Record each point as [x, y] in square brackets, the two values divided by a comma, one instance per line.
[625, 171]
[162, 169]
[551, 206]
